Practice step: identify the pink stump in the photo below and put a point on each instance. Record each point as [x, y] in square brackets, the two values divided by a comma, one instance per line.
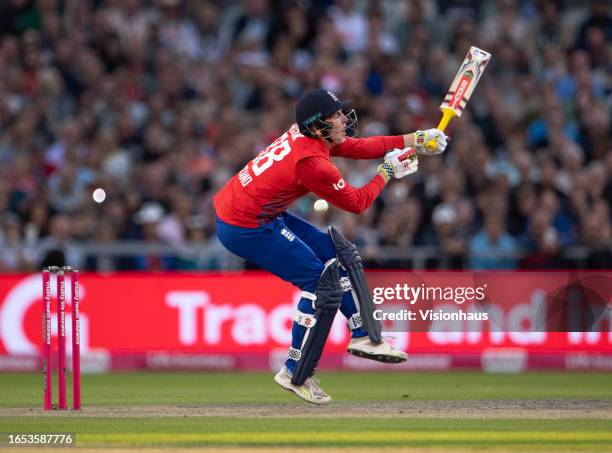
[76, 343]
[46, 339]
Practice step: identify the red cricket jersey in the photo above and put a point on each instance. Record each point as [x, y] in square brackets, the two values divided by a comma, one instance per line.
[292, 166]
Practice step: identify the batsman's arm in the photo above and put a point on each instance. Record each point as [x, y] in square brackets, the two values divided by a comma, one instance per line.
[420, 139]
[376, 147]
[409, 140]
[320, 176]
[368, 147]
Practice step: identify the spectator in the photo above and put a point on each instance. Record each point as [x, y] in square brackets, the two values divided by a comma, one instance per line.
[149, 218]
[15, 255]
[66, 190]
[176, 32]
[351, 25]
[59, 249]
[541, 242]
[598, 238]
[173, 227]
[448, 238]
[492, 247]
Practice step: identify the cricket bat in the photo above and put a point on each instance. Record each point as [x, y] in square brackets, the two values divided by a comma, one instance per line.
[462, 88]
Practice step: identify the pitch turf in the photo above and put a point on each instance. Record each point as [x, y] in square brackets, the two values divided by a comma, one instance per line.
[543, 411]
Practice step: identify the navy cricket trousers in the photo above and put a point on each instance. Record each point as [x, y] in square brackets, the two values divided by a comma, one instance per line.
[295, 251]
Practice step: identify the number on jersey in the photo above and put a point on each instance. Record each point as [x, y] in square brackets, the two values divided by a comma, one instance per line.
[273, 153]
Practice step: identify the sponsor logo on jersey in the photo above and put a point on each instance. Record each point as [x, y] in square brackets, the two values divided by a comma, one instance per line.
[340, 184]
[288, 234]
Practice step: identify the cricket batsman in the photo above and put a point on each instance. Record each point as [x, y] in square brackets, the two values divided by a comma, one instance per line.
[252, 223]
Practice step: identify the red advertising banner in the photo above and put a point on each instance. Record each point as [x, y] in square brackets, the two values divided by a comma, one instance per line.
[243, 320]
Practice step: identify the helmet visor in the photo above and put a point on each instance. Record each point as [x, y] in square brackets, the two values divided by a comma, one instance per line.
[350, 129]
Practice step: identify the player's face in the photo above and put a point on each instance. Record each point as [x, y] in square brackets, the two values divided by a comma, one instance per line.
[337, 132]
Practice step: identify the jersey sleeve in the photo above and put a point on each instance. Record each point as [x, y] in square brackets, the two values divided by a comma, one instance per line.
[320, 176]
[367, 148]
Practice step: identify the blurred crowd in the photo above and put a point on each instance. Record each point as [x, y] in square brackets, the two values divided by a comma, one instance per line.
[160, 102]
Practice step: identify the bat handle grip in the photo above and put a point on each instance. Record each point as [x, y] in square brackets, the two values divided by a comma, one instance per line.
[447, 115]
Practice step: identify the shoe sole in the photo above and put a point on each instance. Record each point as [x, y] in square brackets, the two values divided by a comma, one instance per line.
[292, 391]
[377, 357]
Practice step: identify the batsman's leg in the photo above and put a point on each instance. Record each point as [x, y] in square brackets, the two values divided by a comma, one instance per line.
[352, 306]
[288, 257]
[307, 346]
[326, 301]
[322, 245]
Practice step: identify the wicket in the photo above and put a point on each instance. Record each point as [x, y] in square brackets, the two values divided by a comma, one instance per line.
[61, 273]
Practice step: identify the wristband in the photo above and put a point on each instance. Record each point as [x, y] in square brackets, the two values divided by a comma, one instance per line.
[419, 139]
[386, 167]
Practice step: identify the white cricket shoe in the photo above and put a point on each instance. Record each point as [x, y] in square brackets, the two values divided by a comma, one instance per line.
[309, 391]
[381, 352]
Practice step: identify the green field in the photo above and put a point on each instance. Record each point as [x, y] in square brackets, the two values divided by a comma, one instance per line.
[543, 411]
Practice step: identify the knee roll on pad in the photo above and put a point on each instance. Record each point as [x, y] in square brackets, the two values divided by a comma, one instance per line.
[328, 298]
[350, 260]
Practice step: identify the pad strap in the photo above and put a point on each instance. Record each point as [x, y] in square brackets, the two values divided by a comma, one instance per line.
[345, 284]
[309, 296]
[294, 354]
[355, 322]
[304, 319]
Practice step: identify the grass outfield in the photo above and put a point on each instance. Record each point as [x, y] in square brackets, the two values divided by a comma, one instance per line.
[155, 397]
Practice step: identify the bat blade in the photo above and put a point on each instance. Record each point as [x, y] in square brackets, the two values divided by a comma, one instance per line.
[462, 88]
[465, 81]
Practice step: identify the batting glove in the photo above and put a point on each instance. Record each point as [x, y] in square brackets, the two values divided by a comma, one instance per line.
[421, 138]
[399, 163]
